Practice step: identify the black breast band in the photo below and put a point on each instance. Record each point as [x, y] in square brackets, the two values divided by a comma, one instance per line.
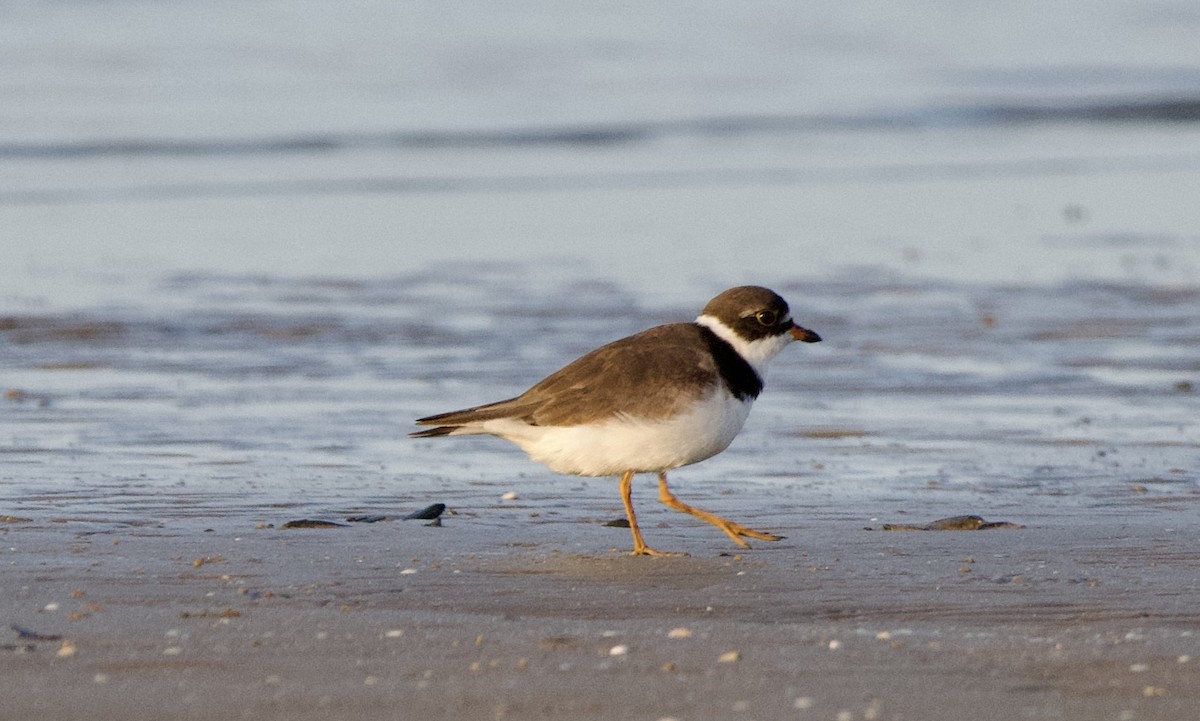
[738, 375]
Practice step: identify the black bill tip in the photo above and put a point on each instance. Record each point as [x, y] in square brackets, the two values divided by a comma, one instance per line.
[805, 335]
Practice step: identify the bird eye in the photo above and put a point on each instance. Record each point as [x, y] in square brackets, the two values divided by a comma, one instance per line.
[766, 317]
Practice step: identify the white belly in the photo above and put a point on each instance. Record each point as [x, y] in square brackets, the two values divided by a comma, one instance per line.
[630, 444]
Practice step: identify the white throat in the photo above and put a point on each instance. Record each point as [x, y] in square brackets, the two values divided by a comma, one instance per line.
[756, 352]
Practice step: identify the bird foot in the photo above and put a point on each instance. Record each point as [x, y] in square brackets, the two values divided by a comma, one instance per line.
[647, 551]
[735, 530]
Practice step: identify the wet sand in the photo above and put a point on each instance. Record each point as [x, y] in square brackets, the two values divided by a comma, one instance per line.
[544, 618]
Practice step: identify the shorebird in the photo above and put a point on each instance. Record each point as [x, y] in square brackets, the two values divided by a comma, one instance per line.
[664, 398]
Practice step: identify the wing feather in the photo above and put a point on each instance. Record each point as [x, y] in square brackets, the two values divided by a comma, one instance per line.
[640, 376]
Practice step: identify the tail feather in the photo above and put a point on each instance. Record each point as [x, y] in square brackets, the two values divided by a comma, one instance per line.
[448, 423]
[433, 432]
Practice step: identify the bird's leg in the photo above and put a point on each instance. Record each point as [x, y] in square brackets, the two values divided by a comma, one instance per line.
[731, 529]
[639, 546]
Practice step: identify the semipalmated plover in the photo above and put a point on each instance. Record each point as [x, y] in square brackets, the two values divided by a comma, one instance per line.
[666, 397]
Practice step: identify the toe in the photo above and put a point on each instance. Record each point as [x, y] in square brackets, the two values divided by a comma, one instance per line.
[762, 535]
[647, 551]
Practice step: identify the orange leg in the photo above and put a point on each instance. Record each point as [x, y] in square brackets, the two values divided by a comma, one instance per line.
[639, 546]
[731, 529]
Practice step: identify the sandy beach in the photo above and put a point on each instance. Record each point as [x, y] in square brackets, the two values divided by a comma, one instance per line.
[537, 616]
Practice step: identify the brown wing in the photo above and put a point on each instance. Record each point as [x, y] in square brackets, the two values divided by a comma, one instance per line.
[648, 375]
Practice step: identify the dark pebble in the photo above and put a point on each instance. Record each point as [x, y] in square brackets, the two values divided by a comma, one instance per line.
[313, 523]
[28, 635]
[956, 523]
[618, 523]
[428, 513]
[953, 523]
